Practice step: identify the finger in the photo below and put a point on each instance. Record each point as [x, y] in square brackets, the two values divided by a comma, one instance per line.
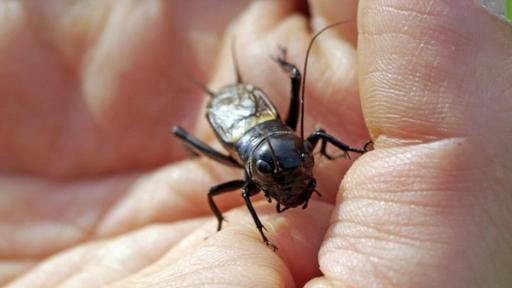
[10, 269]
[236, 256]
[102, 262]
[414, 215]
[427, 74]
[169, 194]
[404, 215]
[88, 92]
[74, 212]
[331, 80]
[326, 12]
[57, 214]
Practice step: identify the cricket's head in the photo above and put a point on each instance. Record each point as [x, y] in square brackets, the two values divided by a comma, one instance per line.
[282, 166]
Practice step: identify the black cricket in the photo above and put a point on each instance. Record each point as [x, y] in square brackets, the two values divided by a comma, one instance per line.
[275, 159]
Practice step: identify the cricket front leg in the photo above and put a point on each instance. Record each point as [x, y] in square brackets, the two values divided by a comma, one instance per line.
[324, 138]
[220, 189]
[249, 190]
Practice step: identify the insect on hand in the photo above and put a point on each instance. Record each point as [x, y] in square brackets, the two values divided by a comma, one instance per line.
[275, 159]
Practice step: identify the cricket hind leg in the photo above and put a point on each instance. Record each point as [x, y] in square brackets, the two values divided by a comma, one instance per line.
[199, 147]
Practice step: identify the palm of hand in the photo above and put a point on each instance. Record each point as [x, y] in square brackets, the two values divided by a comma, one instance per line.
[112, 102]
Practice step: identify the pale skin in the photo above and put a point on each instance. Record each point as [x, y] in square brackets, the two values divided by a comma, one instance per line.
[94, 191]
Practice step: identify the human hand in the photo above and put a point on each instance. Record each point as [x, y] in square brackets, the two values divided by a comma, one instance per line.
[428, 208]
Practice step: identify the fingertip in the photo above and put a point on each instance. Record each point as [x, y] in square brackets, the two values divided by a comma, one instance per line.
[414, 58]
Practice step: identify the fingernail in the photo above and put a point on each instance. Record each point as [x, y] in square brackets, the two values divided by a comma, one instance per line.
[499, 8]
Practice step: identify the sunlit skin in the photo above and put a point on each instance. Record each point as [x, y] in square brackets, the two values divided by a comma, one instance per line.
[95, 191]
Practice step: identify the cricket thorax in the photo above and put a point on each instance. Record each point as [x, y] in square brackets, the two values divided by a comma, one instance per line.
[236, 109]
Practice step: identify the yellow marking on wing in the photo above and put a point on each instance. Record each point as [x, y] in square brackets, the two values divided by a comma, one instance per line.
[240, 130]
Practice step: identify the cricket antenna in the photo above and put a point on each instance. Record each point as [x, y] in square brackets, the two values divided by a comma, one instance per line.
[303, 88]
[235, 60]
[200, 85]
[274, 158]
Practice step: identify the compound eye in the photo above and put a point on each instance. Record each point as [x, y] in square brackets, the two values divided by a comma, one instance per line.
[264, 167]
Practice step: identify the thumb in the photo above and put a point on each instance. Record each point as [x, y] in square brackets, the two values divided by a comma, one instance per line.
[430, 207]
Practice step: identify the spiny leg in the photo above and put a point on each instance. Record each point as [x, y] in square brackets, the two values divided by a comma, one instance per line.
[295, 78]
[249, 190]
[323, 152]
[219, 189]
[324, 137]
[199, 147]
